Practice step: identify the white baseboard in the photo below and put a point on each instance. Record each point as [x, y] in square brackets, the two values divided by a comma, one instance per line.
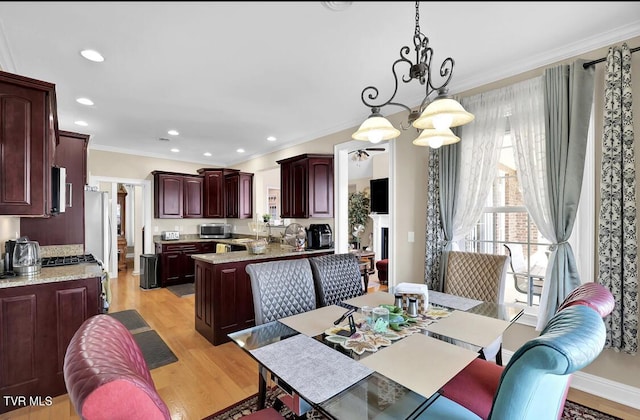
[600, 387]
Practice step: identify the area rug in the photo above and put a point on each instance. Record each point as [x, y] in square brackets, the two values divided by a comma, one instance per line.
[572, 411]
[182, 290]
[155, 351]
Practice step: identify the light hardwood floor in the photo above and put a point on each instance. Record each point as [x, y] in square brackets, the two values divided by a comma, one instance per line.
[205, 378]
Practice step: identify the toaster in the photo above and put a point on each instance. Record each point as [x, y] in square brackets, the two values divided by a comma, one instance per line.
[170, 235]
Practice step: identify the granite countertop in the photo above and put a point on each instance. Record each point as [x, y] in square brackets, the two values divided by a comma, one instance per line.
[54, 274]
[195, 238]
[273, 251]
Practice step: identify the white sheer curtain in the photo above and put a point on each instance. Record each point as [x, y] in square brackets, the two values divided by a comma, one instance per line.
[479, 154]
[528, 136]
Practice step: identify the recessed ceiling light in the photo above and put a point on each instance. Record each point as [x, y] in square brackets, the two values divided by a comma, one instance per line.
[92, 55]
[82, 123]
[271, 138]
[207, 154]
[173, 132]
[240, 150]
[175, 150]
[84, 101]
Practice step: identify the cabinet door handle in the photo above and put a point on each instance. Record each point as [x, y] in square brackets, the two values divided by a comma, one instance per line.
[70, 194]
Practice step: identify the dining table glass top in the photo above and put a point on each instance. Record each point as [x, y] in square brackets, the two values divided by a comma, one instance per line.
[378, 395]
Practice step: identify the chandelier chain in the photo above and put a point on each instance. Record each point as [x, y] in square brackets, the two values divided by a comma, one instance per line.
[417, 32]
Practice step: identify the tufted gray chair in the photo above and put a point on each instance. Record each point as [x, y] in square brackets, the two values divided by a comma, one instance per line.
[337, 277]
[478, 276]
[281, 289]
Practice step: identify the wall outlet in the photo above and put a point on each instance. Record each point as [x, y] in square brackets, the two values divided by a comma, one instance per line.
[411, 237]
[156, 229]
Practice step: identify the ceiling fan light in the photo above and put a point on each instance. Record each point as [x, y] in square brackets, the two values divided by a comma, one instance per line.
[436, 138]
[376, 129]
[442, 114]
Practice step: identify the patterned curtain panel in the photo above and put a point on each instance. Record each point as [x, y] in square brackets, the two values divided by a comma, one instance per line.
[434, 233]
[618, 251]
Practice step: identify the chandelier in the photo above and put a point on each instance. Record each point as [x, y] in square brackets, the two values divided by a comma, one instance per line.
[435, 118]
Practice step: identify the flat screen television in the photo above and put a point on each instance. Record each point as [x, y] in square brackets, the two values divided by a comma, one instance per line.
[379, 189]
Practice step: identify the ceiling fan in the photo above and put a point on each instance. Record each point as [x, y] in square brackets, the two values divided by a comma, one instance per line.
[361, 154]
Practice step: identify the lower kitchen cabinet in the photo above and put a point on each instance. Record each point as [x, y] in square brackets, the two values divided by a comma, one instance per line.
[176, 264]
[37, 323]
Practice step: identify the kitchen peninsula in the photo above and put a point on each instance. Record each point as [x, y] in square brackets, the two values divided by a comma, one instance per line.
[223, 301]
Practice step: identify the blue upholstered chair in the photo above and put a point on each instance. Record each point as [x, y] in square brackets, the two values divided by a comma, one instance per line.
[533, 384]
[337, 277]
[475, 386]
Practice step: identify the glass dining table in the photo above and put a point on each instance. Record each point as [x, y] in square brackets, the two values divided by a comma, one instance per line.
[398, 379]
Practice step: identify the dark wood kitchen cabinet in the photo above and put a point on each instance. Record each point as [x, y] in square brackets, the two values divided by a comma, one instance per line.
[64, 228]
[176, 195]
[176, 264]
[28, 137]
[37, 323]
[238, 189]
[213, 196]
[193, 192]
[306, 186]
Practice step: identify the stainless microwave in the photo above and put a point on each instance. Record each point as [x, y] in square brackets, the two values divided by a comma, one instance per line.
[214, 230]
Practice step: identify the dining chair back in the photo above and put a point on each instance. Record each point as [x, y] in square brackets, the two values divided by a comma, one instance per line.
[281, 289]
[593, 295]
[106, 375]
[336, 277]
[533, 384]
[482, 277]
[476, 275]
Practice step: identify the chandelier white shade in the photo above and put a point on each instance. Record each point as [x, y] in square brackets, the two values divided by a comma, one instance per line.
[375, 129]
[443, 113]
[435, 138]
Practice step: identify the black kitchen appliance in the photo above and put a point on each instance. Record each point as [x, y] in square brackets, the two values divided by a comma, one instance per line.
[319, 236]
[149, 271]
[9, 248]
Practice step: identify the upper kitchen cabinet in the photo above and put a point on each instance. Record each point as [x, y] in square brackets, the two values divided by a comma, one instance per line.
[213, 197]
[192, 193]
[238, 189]
[28, 138]
[65, 228]
[177, 195]
[306, 183]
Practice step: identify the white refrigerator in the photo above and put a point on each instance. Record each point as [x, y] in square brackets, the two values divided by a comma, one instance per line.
[97, 226]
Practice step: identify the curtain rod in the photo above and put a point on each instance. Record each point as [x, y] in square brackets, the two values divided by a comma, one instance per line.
[600, 60]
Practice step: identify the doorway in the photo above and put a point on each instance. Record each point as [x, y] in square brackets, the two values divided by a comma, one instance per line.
[341, 188]
[139, 202]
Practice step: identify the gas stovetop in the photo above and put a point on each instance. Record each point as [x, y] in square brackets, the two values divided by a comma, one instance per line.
[69, 260]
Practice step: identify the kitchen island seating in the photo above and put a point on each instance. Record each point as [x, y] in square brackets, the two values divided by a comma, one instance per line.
[534, 382]
[478, 276]
[475, 386]
[336, 278]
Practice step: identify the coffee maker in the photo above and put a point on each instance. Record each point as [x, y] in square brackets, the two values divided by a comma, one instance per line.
[319, 236]
[9, 248]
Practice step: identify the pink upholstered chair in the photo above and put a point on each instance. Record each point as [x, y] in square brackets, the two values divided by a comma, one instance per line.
[107, 377]
[476, 385]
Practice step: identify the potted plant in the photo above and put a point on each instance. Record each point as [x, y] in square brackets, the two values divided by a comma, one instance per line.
[358, 213]
[266, 217]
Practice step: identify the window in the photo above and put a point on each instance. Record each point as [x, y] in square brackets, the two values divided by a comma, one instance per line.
[505, 221]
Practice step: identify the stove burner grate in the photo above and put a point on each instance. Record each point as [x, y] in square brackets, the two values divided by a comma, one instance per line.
[68, 260]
